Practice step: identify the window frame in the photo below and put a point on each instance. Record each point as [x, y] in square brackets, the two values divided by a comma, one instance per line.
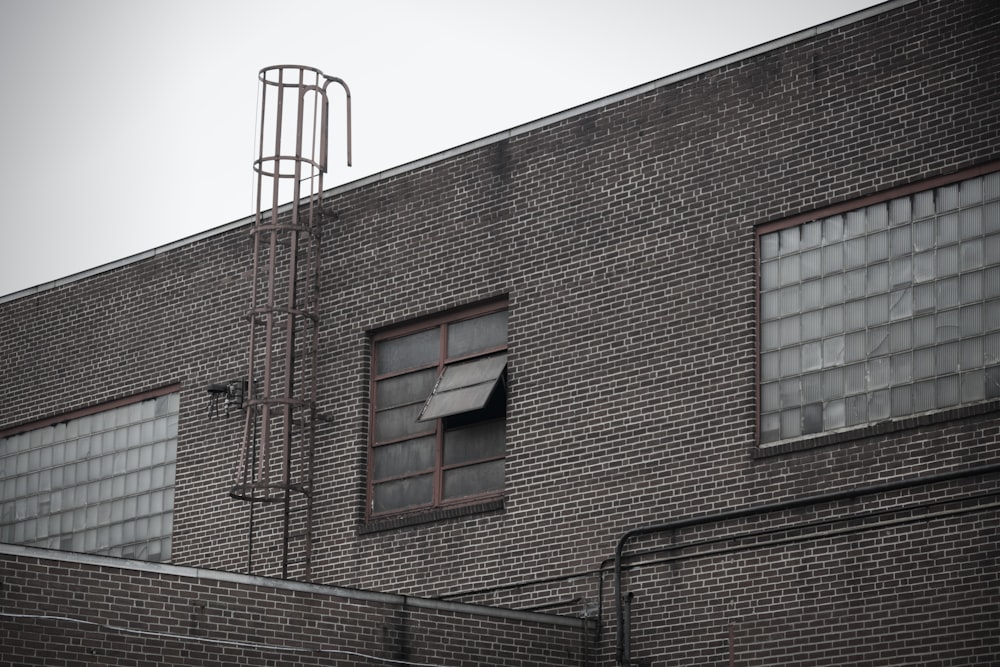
[866, 428]
[104, 493]
[437, 427]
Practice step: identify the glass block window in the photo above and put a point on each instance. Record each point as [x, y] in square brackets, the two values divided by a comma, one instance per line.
[439, 405]
[102, 483]
[880, 313]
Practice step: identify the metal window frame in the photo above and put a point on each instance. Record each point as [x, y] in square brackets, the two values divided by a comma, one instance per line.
[864, 430]
[436, 426]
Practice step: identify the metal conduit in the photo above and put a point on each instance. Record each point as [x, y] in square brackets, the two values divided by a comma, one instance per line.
[623, 656]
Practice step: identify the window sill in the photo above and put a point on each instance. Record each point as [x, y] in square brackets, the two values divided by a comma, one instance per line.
[871, 430]
[380, 524]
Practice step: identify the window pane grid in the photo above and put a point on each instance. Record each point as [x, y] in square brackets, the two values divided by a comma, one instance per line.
[419, 465]
[93, 483]
[890, 311]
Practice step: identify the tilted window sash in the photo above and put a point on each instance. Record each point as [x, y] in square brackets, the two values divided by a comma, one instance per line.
[463, 387]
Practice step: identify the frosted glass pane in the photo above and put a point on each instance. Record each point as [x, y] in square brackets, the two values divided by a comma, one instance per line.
[947, 261]
[971, 287]
[769, 275]
[947, 328]
[877, 309]
[854, 378]
[856, 409]
[833, 383]
[790, 361]
[877, 247]
[812, 356]
[833, 351]
[833, 415]
[770, 335]
[812, 387]
[812, 295]
[947, 390]
[971, 320]
[877, 279]
[901, 271]
[812, 264]
[970, 223]
[770, 427]
[923, 235]
[991, 218]
[971, 355]
[789, 240]
[833, 229]
[811, 323]
[991, 349]
[854, 315]
[876, 217]
[833, 258]
[900, 336]
[970, 191]
[923, 363]
[790, 423]
[900, 211]
[878, 375]
[946, 358]
[788, 270]
[901, 368]
[854, 224]
[789, 331]
[971, 255]
[924, 298]
[855, 284]
[923, 267]
[812, 418]
[789, 300]
[947, 293]
[991, 316]
[973, 386]
[833, 289]
[769, 366]
[769, 246]
[791, 393]
[770, 309]
[417, 349]
[878, 405]
[947, 229]
[854, 253]
[833, 320]
[901, 304]
[946, 198]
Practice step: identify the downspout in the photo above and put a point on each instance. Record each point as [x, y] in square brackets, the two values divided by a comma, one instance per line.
[623, 653]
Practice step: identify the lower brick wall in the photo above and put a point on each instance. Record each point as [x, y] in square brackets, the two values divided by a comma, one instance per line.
[896, 579]
[82, 610]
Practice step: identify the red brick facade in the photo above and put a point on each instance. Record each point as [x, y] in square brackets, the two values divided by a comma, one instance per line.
[622, 235]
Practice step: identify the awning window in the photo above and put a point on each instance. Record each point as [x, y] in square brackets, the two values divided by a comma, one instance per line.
[463, 387]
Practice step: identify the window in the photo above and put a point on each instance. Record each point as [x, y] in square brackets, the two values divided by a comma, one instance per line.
[439, 412]
[880, 313]
[98, 482]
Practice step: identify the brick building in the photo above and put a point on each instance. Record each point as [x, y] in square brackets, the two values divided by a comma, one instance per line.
[706, 372]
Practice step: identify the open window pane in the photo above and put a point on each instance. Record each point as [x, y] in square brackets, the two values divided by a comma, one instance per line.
[464, 387]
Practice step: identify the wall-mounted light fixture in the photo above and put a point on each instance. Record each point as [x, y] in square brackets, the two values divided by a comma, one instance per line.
[230, 394]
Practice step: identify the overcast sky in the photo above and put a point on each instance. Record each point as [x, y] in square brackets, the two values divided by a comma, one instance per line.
[128, 124]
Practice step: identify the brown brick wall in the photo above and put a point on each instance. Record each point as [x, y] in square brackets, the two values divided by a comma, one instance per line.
[624, 239]
[93, 613]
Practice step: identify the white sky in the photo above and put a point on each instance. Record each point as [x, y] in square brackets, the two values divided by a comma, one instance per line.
[128, 124]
